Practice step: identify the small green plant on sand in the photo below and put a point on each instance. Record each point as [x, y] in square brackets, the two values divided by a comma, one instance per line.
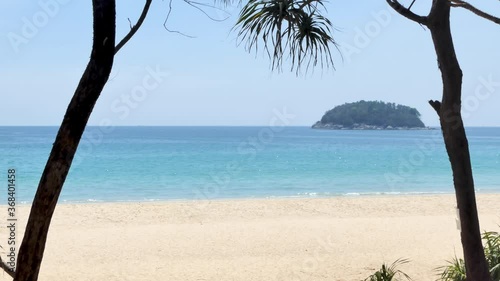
[492, 252]
[455, 270]
[390, 272]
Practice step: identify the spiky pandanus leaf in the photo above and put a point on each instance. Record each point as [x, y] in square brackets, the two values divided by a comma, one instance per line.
[390, 272]
[492, 252]
[287, 29]
[454, 271]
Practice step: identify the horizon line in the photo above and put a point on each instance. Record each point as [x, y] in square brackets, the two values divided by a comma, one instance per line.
[431, 126]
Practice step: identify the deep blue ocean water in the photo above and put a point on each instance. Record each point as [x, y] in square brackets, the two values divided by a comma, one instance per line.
[168, 163]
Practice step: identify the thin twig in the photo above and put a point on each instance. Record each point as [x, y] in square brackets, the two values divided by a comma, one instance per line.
[194, 3]
[166, 20]
[406, 12]
[411, 5]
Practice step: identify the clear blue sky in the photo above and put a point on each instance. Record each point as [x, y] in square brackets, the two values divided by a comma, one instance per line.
[211, 81]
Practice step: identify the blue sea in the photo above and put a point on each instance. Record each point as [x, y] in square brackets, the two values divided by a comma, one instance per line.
[184, 163]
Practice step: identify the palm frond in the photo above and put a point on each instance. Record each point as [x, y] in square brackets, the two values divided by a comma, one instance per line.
[492, 252]
[454, 271]
[389, 272]
[287, 29]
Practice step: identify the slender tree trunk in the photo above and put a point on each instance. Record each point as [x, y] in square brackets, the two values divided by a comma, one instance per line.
[456, 141]
[64, 148]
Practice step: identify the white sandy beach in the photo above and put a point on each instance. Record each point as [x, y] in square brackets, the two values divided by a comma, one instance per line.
[343, 238]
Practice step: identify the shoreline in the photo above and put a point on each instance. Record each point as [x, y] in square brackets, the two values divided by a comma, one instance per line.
[345, 195]
[364, 127]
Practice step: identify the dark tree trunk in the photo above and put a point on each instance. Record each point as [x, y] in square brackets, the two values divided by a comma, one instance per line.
[456, 141]
[64, 148]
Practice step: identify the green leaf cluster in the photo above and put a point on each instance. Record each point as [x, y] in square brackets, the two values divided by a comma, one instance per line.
[288, 29]
[390, 272]
[376, 113]
[455, 270]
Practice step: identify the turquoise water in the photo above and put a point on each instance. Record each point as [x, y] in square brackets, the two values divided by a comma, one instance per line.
[165, 163]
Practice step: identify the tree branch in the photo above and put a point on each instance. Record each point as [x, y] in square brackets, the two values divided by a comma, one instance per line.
[436, 105]
[405, 12]
[6, 268]
[134, 28]
[465, 5]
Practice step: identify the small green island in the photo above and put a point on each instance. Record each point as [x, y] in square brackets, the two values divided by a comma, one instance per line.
[371, 115]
